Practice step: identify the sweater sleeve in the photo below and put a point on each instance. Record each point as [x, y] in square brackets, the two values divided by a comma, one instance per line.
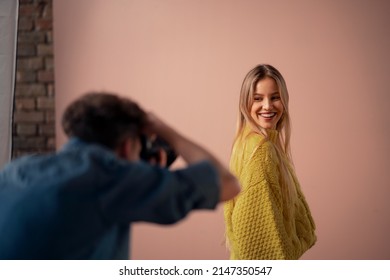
[257, 213]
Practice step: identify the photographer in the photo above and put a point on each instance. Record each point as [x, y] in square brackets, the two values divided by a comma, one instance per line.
[79, 203]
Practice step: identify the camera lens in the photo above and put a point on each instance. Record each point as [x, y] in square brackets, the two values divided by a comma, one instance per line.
[151, 150]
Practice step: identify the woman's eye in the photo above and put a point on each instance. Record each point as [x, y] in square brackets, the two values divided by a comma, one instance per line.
[275, 97]
[257, 98]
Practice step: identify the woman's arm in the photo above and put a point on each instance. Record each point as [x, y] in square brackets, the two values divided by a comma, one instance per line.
[257, 214]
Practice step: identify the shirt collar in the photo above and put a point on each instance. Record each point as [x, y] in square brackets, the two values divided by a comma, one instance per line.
[77, 143]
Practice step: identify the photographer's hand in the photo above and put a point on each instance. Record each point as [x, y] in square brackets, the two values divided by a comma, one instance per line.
[160, 160]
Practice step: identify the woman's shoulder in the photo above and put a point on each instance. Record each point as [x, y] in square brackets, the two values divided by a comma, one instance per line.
[254, 147]
[255, 141]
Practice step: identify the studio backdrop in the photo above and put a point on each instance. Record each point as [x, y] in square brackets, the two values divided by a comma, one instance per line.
[186, 59]
[8, 35]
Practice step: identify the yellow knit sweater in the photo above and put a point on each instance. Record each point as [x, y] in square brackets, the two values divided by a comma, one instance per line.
[255, 225]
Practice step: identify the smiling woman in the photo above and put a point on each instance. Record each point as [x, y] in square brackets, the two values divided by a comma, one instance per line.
[267, 107]
[270, 219]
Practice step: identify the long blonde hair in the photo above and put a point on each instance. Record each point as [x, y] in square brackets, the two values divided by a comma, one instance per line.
[282, 145]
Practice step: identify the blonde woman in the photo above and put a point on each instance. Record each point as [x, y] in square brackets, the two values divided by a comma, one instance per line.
[270, 219]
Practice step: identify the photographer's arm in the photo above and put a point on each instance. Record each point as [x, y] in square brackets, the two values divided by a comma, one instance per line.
[193, 153]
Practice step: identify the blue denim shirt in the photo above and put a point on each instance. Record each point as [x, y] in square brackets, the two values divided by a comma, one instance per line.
[80, 202]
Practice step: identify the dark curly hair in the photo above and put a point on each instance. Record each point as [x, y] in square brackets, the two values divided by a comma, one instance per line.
[103, 118]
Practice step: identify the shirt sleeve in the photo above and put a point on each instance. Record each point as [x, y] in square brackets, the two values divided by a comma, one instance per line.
[257, 211]
[142, 192]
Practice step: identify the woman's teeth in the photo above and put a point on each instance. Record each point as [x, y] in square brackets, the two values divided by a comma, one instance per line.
[268, 115]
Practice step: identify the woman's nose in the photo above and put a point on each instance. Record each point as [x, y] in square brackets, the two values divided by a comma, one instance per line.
[267, 104]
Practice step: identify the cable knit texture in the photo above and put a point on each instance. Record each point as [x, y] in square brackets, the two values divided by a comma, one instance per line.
[255, 225]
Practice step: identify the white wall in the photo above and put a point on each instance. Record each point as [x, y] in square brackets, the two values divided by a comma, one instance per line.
[8, 35]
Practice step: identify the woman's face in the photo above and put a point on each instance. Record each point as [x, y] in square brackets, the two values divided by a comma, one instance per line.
[267, 107]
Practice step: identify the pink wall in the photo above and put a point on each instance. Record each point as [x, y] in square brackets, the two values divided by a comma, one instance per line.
[185, 60]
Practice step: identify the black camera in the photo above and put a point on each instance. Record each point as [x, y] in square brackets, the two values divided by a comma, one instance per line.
[151, 149]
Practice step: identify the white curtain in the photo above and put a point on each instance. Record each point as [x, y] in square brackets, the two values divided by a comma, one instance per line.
[8, 36]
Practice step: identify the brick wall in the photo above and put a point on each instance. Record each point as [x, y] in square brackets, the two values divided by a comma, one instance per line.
[33, 123]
